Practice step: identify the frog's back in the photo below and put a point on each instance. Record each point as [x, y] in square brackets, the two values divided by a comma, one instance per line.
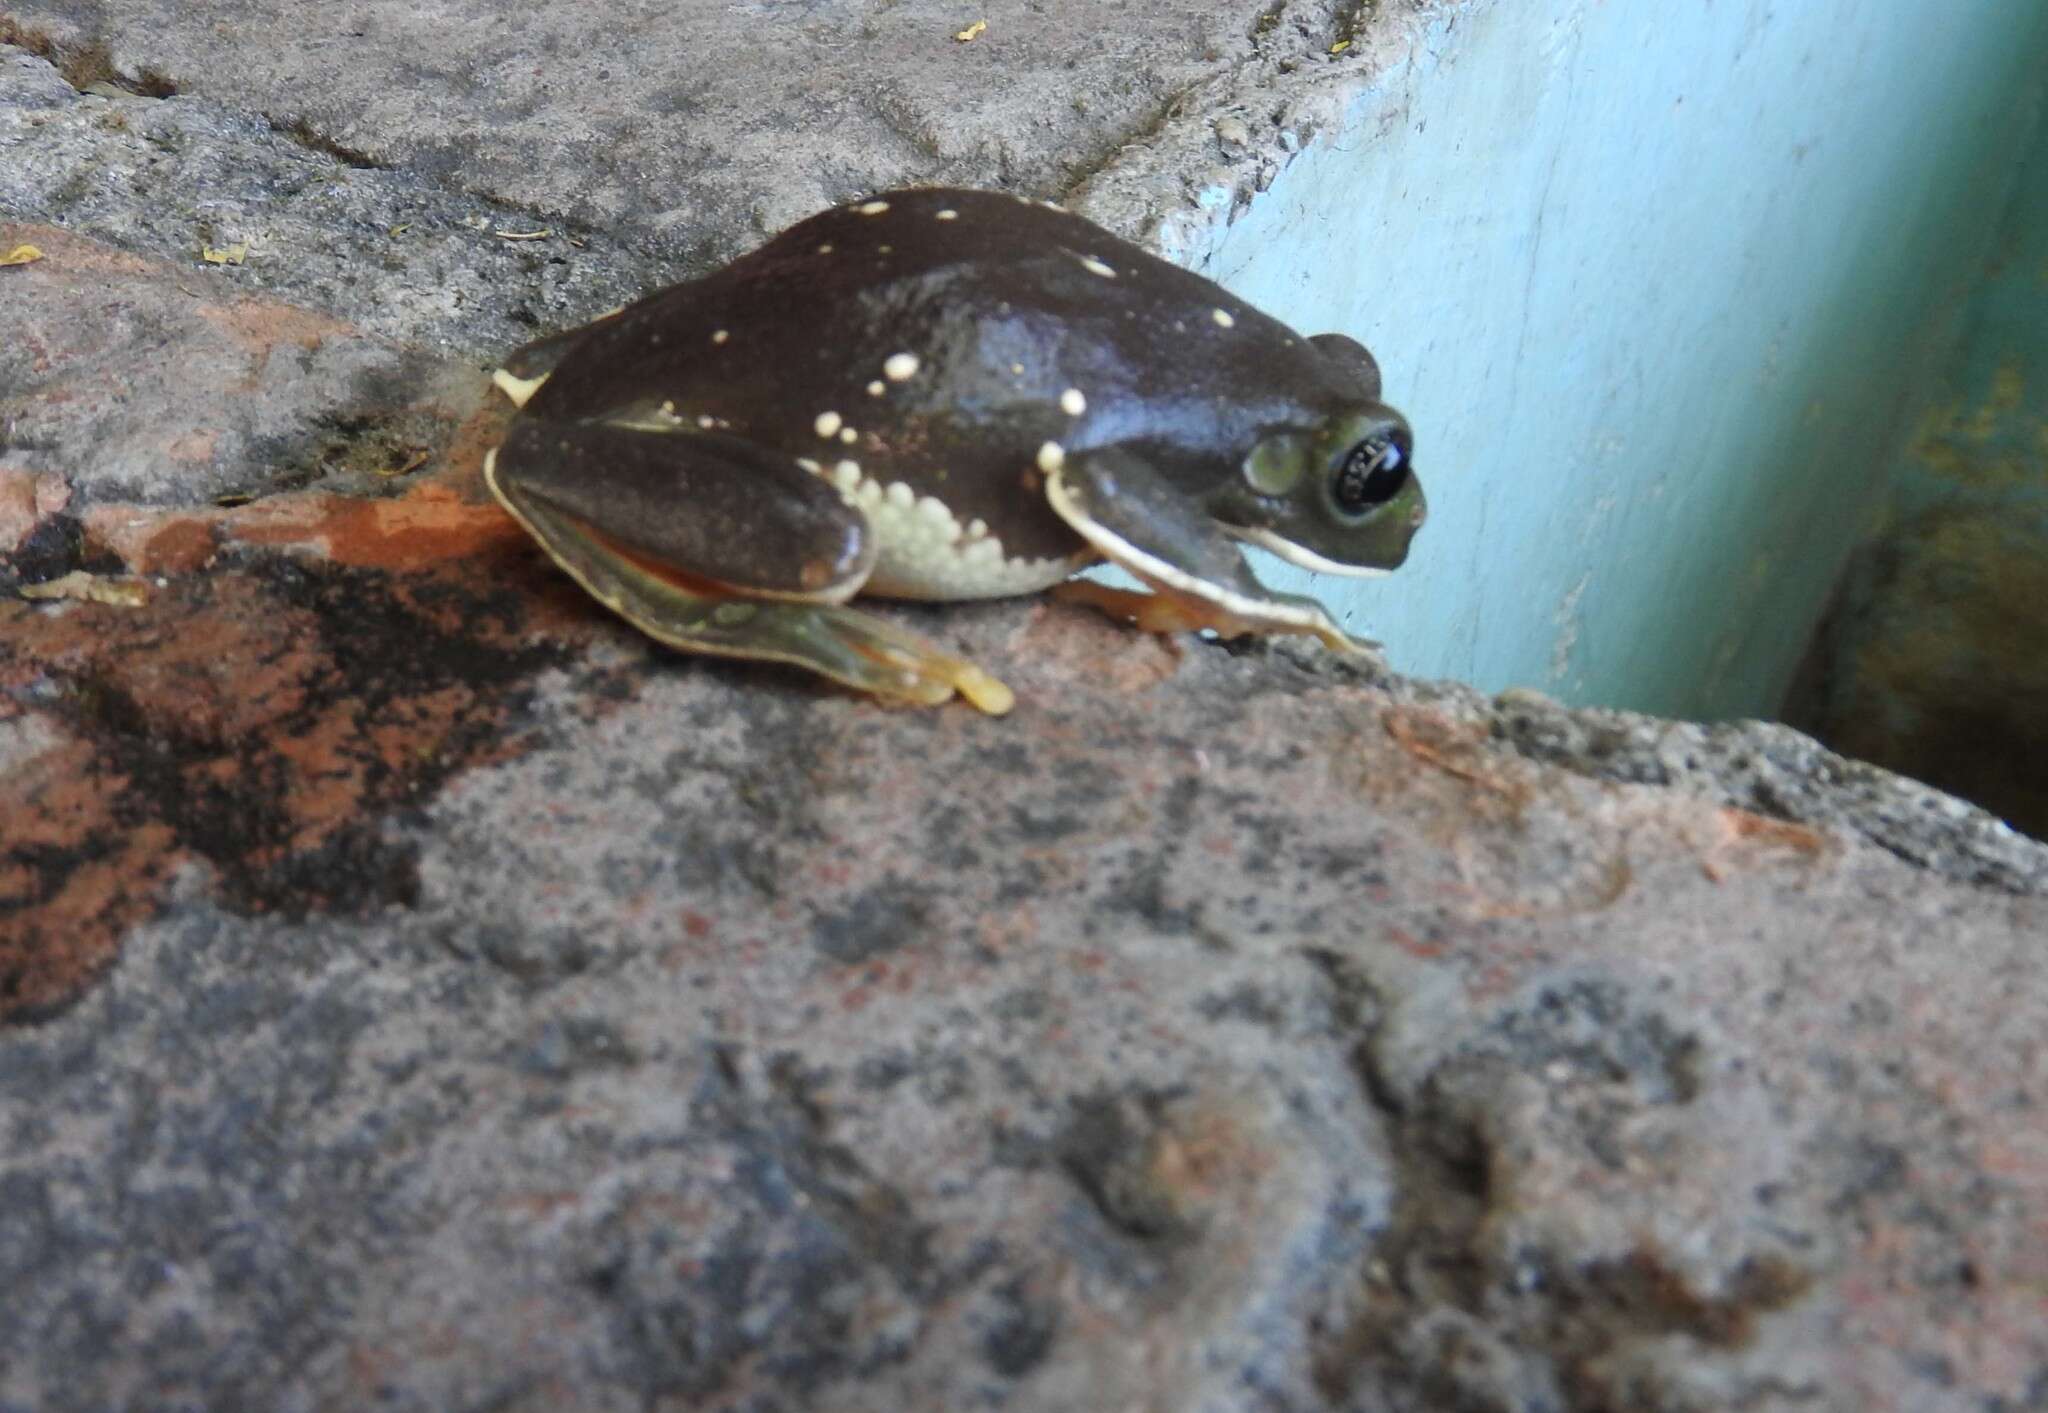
[967, 306]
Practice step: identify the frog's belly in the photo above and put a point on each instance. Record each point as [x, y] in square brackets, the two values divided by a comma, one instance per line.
[923, 551]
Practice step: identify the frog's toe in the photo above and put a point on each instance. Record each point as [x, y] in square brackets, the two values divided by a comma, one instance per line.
[1168, 612]
[866, 653]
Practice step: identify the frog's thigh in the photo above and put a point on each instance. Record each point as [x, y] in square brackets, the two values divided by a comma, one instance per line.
[591, 495]
[1134, 518]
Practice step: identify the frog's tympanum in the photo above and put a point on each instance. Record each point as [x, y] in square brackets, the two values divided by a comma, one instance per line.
[946, 395]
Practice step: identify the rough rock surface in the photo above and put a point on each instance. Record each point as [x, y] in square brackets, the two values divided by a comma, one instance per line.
[418, 991]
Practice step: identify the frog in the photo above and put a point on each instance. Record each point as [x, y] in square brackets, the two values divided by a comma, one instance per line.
[945, 395]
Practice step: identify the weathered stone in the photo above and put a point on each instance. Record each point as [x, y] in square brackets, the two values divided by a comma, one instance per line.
[398, 254]
[125, 379]
[1243, 1034]
[418, 990]
[665, 122]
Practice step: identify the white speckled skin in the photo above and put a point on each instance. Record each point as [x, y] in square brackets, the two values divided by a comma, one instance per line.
[941, 338]
[924, 551]
[874, 402]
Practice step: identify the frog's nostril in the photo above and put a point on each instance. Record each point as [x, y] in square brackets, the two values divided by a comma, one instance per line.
[1374, 471]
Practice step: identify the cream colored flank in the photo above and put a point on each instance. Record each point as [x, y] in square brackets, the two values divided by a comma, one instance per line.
[924, 552]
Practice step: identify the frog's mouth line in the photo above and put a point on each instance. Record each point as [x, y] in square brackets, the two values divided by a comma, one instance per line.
[1305, 558]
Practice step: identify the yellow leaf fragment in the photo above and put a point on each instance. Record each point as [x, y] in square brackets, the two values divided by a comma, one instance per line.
[972, 32]
[522, 235]
[400, 230]
[120, 590]
[1340, 46]
[227, 255]
[21, 255]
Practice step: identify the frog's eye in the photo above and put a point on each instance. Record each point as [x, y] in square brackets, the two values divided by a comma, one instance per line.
[1373, 472]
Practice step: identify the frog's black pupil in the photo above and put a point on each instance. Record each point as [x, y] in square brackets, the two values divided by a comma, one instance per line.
[1373, 473]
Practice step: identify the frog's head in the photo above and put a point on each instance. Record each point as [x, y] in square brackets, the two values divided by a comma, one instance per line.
[1341, 498]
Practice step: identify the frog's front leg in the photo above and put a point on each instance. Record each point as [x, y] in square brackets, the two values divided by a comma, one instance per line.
[713, 544]
[1132, 516]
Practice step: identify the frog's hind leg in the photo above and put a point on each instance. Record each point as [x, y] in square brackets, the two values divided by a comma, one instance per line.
[714, 545]
[1135, 519]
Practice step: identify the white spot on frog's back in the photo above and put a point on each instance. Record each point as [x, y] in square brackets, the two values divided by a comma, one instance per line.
[1051, 457]
[1073, 403]
[1096, 267]
[872, 208]
[899, 367]
[827, 424]
[876, 389]
[720, 335]
[1222, 318]
[948, 214]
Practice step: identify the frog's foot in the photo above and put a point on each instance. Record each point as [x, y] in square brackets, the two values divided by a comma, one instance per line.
[1133, 518]
[717, 546]
[858, 650]
[1157, 612]
[874, 655]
